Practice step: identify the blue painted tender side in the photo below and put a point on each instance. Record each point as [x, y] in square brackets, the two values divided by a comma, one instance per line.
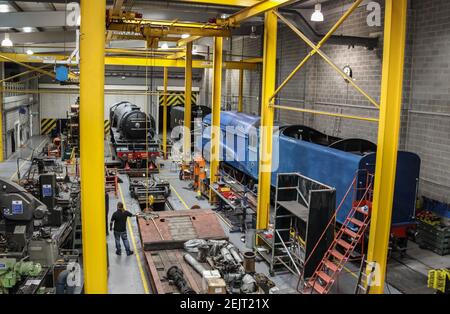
[327, 165]
[406, 183]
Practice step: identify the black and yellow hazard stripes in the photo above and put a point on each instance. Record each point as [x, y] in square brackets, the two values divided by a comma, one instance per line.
[47, 125]
[177, 99]
[107, 126]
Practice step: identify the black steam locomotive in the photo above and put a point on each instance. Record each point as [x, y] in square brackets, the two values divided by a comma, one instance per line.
[133, 135]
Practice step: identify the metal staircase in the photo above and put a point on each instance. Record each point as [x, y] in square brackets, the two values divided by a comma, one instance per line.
[346, 240]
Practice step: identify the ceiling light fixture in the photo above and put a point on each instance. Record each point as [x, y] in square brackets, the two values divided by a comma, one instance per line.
[317, 16]
[4, 8]
[28, 29]
[7, 42]
[184, 36]
[30, 52]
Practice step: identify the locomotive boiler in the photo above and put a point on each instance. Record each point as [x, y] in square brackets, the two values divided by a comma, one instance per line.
[331, 160]
[133, 135]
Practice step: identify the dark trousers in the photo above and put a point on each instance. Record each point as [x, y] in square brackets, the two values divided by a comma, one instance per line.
[126, 244]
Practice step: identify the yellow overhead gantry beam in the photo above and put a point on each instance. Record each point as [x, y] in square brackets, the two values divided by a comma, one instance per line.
[23, 73]
[196, 64]
[254, 10]
[92, 98]
[388, 135]
[233, 3]
[40, 70]
[130, 24]
[177, 55]
[150, 31]
[133, 61]
[185, 41]
[204, 32]
[116, 11]
[36, 58]
[140, 37]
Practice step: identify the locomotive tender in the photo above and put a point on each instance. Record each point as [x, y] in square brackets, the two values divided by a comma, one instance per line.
[330, 160]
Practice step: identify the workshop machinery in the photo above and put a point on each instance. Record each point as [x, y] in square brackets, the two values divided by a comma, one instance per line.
[34, 228]
[150, 191]
[12, 271]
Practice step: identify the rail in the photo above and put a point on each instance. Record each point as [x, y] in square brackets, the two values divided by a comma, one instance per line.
[352, 185]
[351, 213]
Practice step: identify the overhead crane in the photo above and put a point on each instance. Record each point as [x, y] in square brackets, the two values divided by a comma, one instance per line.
[93, 30]
[92, 49]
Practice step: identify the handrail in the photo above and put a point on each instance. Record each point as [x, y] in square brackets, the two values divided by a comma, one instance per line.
[351, 213]
[331, 220]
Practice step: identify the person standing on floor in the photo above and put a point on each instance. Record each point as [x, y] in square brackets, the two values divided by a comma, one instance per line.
[119, 220]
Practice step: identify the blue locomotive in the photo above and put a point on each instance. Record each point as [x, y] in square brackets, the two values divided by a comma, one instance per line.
[329, 160]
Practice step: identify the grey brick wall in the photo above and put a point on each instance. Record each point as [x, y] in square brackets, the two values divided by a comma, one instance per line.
[333, 93]
[235, 49]
[425, 120]
[428, 127]
[242, 48]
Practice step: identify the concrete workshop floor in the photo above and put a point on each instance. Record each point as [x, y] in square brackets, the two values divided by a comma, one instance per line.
[8, 168]
[127, 274]
[407, 274]
[183, 198]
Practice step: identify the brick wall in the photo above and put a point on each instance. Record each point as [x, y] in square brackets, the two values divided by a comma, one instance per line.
[235, 49]
[428, 127]
[425, 120]
[242, 48]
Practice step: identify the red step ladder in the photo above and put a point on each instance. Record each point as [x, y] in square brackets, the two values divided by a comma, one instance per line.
[344, 243]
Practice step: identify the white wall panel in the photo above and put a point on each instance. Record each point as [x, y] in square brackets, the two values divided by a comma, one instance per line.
[55, 106]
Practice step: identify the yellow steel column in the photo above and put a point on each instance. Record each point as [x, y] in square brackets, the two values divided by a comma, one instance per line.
[267, 117]
[388, 134]
[1, 123]
[187, 104]
[241, 90]
[92, 77]
[166, 79]
[216, 108]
